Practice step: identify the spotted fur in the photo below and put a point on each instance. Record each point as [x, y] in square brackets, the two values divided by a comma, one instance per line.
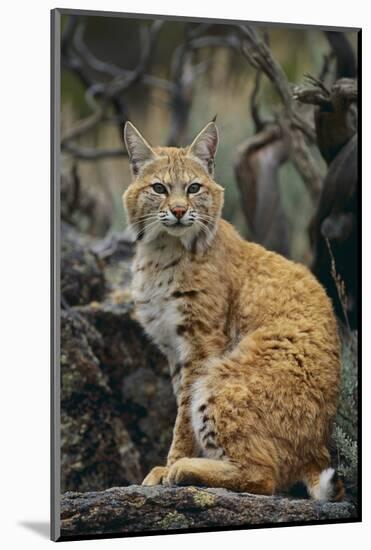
[251, 337]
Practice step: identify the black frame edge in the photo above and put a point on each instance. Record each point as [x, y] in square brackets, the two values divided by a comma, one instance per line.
[55, 274]
[169, 17]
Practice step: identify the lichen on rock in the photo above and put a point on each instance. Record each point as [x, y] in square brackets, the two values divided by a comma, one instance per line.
[180, 508]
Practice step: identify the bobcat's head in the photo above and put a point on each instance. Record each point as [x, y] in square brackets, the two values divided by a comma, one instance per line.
[173, 191]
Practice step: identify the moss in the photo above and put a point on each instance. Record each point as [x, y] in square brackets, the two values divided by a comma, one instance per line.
[173, 520]
[203, 499]
[138, 502]
[344, 436]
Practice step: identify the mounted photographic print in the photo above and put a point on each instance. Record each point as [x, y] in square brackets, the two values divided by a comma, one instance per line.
[206, 221]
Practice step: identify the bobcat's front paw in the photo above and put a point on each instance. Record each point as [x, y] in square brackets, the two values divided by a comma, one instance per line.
[181, 473]
[155, 476]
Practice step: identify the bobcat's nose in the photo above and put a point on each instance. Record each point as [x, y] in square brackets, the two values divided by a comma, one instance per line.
[178, 211]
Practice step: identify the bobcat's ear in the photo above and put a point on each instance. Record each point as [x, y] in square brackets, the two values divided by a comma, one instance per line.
[139, 151]
[204, 146]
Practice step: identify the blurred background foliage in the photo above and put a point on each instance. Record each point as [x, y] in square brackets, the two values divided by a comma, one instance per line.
[222, 86]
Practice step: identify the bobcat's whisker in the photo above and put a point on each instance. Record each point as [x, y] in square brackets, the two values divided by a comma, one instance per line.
[135, 225]
[148, 228]
[205, 228]
[205, 216]
[145, 218]
[207, 220]
[152, 233]
[204, 220]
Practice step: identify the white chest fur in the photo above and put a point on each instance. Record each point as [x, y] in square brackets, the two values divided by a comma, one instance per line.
[155, 279]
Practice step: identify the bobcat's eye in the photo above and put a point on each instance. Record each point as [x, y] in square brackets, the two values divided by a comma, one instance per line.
[159, 188]
[194, 188]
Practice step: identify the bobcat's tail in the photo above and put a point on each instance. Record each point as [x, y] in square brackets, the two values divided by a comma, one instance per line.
[325, 486]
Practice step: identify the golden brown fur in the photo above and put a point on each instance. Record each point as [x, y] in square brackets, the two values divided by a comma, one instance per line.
[251, 337]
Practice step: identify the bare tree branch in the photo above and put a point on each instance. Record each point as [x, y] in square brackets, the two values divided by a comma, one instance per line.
[335, 114]
[110, 69]
[83, 153]
[122, 83]
[254, 108]
[257, 173]
[260, 56]
[79, 59]
[230, 41]
[326, 66]
[313, 92]
[346, 66]
[184, 74]
[84, 125]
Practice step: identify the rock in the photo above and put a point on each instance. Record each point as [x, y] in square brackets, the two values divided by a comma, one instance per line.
[138, 377]
[85, 204]
[117, 405]
[96, 449]
[150, 414]
[80, 343]
[115, 246]
[125, 346]
[130, 509]
[82, 278]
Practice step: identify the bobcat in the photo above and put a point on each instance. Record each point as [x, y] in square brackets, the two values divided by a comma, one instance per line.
[251, 337]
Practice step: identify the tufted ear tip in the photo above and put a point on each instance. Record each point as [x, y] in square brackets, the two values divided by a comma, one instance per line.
[129, 127]
[139, 150]
[130, 134]
[205, 145]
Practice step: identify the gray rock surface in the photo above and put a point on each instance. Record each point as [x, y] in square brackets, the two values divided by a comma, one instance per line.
[136, 508]
[117, 405]
[96, 448]
[82, 277]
